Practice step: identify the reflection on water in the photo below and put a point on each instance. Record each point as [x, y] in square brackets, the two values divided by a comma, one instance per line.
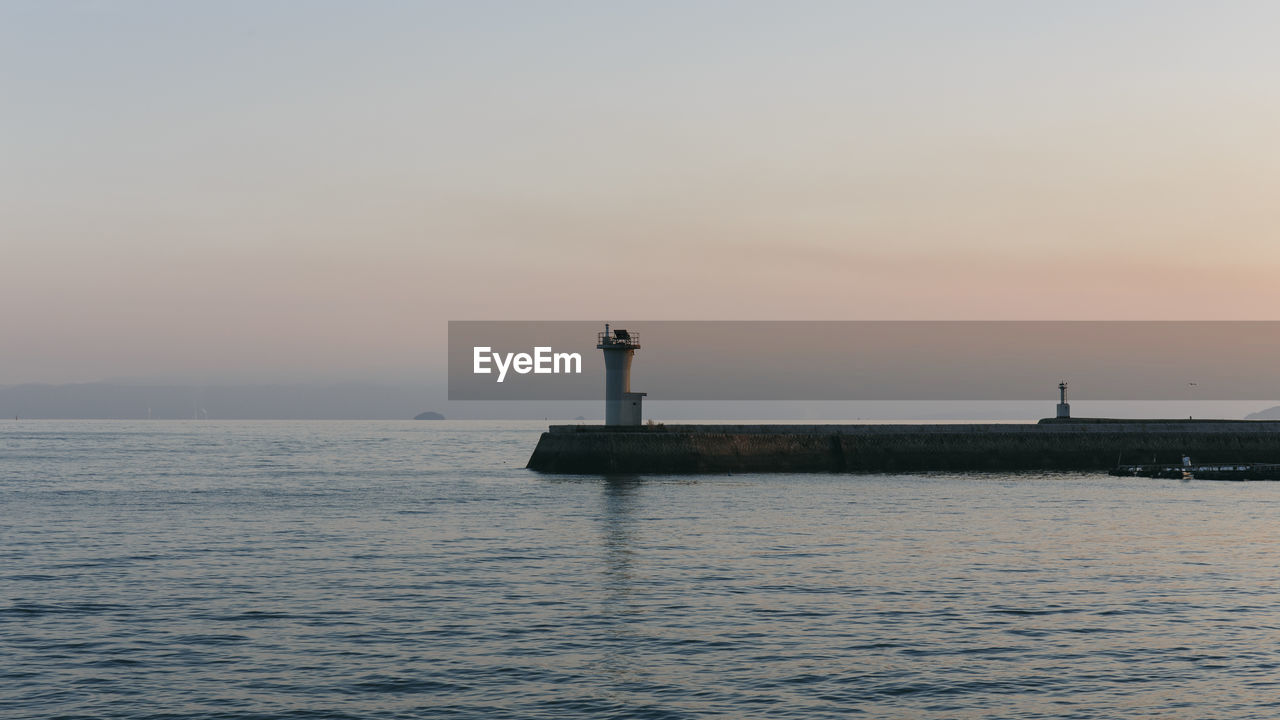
[618, 495]
[619, 498]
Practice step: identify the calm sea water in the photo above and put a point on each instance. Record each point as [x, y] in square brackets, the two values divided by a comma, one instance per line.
[415, 569]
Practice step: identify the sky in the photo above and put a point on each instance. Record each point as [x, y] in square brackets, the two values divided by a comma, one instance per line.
[276, 190]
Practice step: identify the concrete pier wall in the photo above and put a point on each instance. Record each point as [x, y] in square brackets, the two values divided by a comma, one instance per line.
[1082, 444]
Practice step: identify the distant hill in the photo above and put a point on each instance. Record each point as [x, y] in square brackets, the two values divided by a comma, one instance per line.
[346, 401]
[428, 415]
[1268, 414]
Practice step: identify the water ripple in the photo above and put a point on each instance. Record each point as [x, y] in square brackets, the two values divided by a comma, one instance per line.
[410, 570]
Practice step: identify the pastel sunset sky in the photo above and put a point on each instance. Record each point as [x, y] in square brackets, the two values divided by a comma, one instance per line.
[310, 190]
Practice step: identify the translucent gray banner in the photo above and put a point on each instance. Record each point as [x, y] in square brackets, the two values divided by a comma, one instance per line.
[868, 360]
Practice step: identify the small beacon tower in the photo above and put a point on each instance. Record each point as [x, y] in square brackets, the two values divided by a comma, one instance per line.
[621, 406]
[1064, 410]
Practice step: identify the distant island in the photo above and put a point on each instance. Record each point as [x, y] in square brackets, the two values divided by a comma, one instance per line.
[1268, 414]
[428, 416]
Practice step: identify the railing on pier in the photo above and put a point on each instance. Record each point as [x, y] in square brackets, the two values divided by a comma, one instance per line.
[618, 339]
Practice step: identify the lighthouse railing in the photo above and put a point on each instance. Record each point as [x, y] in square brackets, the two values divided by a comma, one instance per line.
[611, 340]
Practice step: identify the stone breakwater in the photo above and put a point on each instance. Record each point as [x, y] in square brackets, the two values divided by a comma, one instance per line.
[1076, 444]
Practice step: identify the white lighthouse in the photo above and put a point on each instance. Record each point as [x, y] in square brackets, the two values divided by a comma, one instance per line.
[1064, 410]
[621, 406]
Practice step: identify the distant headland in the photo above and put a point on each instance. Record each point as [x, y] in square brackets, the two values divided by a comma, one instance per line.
[271, 401]
[1268, 414]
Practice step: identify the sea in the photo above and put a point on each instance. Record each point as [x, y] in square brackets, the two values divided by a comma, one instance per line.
[336, 569]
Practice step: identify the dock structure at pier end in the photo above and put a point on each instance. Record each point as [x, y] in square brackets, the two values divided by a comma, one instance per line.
[1084, 444]
[623, 445]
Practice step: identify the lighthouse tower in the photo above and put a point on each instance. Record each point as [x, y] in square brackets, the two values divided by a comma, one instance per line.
[621, 406]
[1064, 410]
